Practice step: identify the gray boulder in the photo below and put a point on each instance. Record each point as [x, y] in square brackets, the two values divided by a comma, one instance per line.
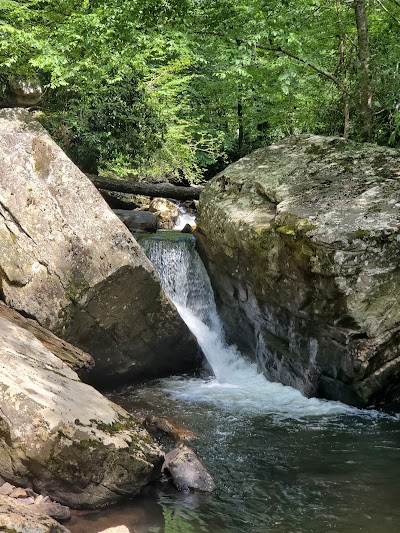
[69, 262]
[302, 242]
[187, 471]
[137, 220]
[60, 436]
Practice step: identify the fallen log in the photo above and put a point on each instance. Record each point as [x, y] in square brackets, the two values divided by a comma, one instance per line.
[162, 190]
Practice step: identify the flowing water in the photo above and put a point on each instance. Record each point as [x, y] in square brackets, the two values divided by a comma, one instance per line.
[281, 462]
[185, 217]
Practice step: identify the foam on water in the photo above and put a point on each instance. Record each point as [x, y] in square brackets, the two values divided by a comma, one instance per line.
[185, 217]
[236, 385]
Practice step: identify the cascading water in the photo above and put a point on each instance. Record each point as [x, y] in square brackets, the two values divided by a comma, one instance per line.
[236, 383]
[281, 462]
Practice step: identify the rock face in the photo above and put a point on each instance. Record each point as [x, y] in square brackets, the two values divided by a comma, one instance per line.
[67, 261]
[18, 518]
[302, 242]
[60, 436]
[75, 358]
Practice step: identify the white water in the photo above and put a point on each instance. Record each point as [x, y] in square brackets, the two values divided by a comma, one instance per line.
[185, 217]
[236, 386]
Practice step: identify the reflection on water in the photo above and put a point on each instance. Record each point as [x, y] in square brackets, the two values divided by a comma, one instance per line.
[273, 473]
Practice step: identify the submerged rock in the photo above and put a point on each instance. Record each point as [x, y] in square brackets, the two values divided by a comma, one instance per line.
[60, 436]
[302, 242]
[187, 471]
[16, 517]
[156, 424]
[69, 262]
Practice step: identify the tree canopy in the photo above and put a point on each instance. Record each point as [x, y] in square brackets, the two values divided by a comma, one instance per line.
[181, 87]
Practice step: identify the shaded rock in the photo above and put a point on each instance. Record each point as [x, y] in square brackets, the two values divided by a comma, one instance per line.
[61, 436]
[75, 358]
[18, 518]
[166, 212]
[121, 200]
[302, 243]
[137, 220]
[187, 229]
[67, 261]
[187, 471]
[54, 510]
[20, 92]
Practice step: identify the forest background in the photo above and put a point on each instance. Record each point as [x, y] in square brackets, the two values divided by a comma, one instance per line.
[152, 88]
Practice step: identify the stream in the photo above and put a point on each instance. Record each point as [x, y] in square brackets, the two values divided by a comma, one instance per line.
[281, 462]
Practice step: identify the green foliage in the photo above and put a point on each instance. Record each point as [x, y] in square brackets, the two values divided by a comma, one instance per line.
[182, 87]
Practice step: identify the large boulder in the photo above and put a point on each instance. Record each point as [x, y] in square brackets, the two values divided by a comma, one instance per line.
[302, 243]
[61, 437]
[69, 262]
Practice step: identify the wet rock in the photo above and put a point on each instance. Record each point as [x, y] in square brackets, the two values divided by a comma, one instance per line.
[302, 243]
[187, 229]
[187, 471]
[16, 517]
[67, 261]
[136, 220]
[166, 212]
[155, 424]
[62, 436]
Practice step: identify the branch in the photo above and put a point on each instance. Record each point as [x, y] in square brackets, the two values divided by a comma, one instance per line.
[320, 71]
[280, 50]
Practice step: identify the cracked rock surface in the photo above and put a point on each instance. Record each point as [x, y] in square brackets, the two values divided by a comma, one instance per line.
[69, 262]
[61, 437]
[302, 242]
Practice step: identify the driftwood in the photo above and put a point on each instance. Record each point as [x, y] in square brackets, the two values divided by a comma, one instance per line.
[162, 190]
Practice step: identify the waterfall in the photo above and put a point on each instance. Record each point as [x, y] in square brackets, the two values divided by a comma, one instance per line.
[236, 382]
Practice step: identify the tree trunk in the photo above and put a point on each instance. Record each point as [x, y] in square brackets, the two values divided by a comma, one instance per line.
[163, 190]
[343, 70]
[240, 127]
[364, 56]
